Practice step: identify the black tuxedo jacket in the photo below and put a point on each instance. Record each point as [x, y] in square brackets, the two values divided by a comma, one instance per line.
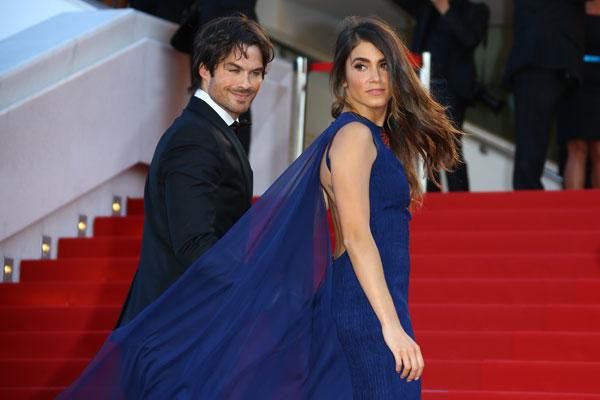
[547, 34]
[199, 184]
[466, 23]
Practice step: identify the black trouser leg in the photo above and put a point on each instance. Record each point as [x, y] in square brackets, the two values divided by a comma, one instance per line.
[536, 93]
[458, 178]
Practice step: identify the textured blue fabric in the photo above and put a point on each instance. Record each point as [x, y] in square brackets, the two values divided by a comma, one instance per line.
[371, 363]
[252, 317]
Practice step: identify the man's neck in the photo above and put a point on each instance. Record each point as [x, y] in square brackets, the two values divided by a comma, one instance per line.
[225, 116]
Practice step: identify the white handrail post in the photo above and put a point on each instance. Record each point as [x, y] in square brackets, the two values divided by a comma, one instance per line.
[425, 77]
[299, 111]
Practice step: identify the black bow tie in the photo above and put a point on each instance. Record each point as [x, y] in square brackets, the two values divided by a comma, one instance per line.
[238, 125]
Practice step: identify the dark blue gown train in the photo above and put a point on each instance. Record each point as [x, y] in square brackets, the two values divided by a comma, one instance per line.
[265, 314]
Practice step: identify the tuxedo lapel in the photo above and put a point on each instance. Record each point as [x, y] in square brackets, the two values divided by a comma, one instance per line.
[198, 106]
[237, 145]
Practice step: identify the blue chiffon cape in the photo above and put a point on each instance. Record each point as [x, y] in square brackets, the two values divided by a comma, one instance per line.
[250, 319]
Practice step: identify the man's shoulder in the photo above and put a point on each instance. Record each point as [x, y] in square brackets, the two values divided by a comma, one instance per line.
[189, 132]
[191, 126]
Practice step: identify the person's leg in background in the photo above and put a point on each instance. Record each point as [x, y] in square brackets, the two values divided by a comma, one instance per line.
[458, 178]
[595, 156]
[536, 94]
[577, 152]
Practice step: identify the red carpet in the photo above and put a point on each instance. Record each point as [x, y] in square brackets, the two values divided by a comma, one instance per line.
[505, 299]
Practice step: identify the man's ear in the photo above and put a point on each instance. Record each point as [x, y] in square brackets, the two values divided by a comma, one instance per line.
[204, 72]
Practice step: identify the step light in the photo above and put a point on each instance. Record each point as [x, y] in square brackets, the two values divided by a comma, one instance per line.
[46, 247]
[82, 226]
[7, 275]
[117, 206]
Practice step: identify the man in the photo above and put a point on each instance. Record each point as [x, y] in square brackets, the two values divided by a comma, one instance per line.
[193, 14]
[200, 182]
[546, 58]
[198, 14]
[450, 30]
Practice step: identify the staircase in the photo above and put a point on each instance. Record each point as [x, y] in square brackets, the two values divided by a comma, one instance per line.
[505, 298]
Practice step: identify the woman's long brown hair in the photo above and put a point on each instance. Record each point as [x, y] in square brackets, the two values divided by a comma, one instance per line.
[415, 122]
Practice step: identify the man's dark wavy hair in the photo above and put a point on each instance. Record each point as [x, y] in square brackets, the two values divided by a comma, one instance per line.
[217, 39]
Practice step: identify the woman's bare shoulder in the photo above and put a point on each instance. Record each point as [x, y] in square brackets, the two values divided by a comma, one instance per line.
[353, 136]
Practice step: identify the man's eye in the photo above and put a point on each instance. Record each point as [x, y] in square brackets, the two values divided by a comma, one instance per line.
[233, 70]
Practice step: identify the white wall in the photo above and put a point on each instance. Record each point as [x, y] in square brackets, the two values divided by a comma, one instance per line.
[81, 108]
[22, 14]
[271, 126]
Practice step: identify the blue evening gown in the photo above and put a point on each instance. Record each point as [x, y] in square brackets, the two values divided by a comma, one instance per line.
[252, 318]
[371, 363]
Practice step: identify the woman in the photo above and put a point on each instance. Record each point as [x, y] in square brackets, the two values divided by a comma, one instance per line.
[378, 100]
[579, 120]
[258, 316]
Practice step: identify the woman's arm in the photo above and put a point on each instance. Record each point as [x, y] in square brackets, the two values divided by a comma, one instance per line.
[352, 155]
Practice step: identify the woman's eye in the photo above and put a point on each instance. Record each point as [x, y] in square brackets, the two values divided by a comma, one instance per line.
[360, 67]
[384, 66]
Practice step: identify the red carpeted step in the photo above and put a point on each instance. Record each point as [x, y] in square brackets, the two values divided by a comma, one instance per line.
[518, 242]
[439, 374]
[30, 393]
[500, 395]
[545, 266]
[119, 226]
[537, 376]
[127, 246]
[495, 317]
[481, 200]
[422, 243]
[58, 318]
[423, 291]
[54, 293]
[79, 269]
[425, 317]
[465, 345]
[494, 278]
[135, 206]
[532, 346]
[44, 344]
[535, 199]
[505, 291]
[40, 372]
[506, 220]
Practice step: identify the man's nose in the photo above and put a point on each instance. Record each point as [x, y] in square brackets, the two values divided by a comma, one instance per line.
[246, 80]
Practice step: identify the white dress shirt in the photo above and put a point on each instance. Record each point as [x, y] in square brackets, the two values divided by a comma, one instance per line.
[202, 95]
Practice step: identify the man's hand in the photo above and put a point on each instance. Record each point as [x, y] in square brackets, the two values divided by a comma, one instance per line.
[441, 5]
[592, 7]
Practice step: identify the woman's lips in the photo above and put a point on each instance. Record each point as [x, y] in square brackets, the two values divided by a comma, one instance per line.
[376, 92]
